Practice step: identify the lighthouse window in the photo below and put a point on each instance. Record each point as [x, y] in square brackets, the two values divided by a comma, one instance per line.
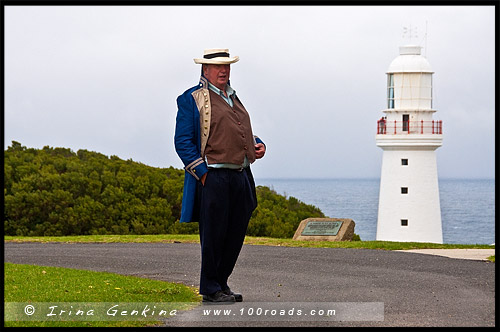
[404, 190]
[431, 91]
[390, 91]
[404, 162]
[404, 222]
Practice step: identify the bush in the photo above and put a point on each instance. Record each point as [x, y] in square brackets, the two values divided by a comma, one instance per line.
[57, 192]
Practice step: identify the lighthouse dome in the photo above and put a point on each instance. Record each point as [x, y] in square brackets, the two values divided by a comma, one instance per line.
[410, 61]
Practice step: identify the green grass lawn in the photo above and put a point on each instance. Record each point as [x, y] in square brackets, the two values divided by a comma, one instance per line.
[52, 285]
[194, 238]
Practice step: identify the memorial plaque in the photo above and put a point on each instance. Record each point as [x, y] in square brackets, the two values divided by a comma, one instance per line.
[322, 228]
[325, 229]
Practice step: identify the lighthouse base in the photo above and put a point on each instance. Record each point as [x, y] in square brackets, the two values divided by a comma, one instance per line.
[409, 208]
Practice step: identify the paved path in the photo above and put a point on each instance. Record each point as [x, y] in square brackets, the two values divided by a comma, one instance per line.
[475, 254]
[415, 289]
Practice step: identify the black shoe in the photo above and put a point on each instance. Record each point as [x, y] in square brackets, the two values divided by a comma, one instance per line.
[237, 297]
[219, 296]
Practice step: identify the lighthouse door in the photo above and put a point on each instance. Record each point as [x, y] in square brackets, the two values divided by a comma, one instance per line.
[406, 122]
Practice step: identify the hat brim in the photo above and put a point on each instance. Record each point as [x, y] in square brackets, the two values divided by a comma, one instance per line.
[217, 61]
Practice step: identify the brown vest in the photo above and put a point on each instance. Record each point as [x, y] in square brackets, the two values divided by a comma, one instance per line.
[231, 136]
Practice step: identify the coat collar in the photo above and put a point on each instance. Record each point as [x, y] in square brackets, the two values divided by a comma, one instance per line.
[203, 82]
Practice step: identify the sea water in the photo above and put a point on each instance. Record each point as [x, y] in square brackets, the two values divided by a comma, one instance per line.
[467, 205]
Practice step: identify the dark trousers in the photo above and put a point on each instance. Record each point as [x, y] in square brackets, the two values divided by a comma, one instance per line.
[227, 201]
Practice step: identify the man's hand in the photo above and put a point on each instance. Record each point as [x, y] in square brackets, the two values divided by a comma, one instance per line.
[203, 179]
[260, 150]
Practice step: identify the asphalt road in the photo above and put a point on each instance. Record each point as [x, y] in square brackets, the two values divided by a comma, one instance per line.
[414, 289]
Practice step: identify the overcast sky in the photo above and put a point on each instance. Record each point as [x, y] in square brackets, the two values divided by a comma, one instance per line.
[313, 79]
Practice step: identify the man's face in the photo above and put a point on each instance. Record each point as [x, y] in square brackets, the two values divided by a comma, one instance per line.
[218, 75]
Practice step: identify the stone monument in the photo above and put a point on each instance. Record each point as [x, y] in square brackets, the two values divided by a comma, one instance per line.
[325, 229]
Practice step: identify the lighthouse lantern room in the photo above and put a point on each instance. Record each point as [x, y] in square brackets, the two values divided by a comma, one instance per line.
[409, 208]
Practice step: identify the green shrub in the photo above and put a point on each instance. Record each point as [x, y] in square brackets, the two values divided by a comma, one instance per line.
[57, 192]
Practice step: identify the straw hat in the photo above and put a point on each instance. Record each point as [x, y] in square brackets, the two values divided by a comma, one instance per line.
[216, 56]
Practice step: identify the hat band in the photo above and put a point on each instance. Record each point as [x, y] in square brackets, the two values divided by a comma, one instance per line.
[216, 55]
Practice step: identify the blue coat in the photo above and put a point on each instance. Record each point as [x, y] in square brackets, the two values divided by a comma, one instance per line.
[191, 134]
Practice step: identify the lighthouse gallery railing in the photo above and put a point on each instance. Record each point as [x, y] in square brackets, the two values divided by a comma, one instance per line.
[409, 127]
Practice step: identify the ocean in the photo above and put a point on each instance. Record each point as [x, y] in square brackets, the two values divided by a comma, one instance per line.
[467, 205]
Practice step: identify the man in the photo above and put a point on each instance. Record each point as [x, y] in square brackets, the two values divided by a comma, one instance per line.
[214, 139]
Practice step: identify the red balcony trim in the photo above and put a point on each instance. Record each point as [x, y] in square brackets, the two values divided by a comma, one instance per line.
[410, 127]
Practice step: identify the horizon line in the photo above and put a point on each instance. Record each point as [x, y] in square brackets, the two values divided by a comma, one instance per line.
[362, 178]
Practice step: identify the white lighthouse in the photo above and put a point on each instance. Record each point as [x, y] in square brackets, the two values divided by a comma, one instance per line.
[409, 209]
